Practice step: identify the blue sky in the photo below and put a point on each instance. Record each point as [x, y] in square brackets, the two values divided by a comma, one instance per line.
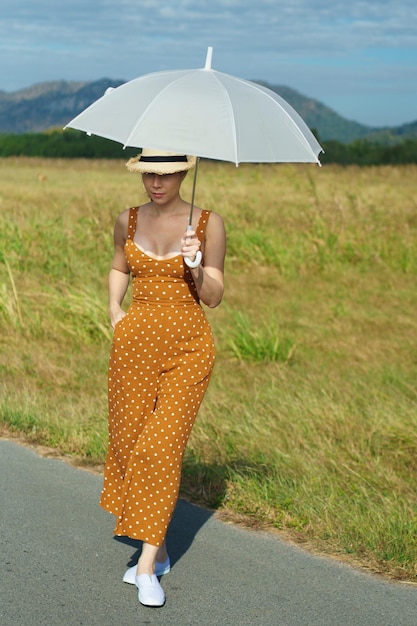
[357, 57]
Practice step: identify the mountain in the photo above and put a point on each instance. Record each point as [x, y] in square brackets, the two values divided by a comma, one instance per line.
[48, 105]
[327, 123]
[52, 104]
[393, 136]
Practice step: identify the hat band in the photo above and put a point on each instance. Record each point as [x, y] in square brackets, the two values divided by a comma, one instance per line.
[164, 159]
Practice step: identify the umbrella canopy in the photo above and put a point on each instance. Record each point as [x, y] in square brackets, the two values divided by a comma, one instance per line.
[204, 113]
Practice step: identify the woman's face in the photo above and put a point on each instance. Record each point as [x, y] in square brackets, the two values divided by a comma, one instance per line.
[163, 189]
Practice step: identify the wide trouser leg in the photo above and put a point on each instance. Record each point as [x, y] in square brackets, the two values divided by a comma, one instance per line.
[153, 476]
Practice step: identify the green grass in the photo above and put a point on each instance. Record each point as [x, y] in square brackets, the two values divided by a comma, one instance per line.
[257, 340]
[309, 425]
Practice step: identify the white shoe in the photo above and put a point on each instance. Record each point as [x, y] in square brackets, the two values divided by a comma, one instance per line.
[160, 570]
[150, 592]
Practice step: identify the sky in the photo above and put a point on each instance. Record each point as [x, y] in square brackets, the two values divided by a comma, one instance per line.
[358, 57]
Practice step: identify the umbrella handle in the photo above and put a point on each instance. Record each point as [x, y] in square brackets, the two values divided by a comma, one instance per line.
[198, 256]
[196, 261]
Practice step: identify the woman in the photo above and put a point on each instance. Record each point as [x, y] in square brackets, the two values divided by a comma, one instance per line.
[162, 356]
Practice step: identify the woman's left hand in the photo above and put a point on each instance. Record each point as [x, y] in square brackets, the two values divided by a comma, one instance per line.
[190, 245]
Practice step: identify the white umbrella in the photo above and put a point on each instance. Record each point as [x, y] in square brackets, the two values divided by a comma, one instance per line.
[204, 113]
[201, 112]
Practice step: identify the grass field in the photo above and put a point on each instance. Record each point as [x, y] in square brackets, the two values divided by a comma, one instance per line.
[309, 425]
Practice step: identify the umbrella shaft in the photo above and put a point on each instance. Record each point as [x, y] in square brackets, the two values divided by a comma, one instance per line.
[190, 219]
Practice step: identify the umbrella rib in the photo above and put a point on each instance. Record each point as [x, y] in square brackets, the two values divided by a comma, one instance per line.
[139, 121]
[294, 125]
[256, 87]
[232, 114]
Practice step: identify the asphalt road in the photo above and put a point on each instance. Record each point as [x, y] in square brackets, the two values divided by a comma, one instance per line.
[61, 565]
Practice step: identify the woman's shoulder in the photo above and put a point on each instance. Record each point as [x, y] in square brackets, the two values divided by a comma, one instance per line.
[214, 215]
[207, 219]
[123, 217]
[208, 214]
[215, 226]
[215, 219]
[121, 226]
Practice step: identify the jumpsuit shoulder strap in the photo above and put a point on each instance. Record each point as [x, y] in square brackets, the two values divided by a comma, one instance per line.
[202, 223]
[133, 215]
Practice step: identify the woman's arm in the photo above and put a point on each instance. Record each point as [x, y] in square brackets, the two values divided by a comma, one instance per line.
[119, 274]
[208, 278]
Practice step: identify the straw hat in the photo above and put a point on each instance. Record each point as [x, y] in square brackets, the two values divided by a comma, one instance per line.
[160, 162]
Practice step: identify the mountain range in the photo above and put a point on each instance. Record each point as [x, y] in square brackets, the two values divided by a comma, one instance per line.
[53, 104]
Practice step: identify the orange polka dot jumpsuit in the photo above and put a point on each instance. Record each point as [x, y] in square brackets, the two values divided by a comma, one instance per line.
[160, 365]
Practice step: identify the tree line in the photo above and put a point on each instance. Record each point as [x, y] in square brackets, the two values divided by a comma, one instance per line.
[68, 144]
[74, 144]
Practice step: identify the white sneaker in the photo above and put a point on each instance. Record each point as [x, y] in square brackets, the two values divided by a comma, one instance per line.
[150, 592]
[160, 570]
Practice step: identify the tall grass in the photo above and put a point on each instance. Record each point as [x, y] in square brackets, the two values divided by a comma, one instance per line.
[257, 340]
[309, 425]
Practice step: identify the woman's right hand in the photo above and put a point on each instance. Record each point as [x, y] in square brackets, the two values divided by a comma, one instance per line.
[116, 317]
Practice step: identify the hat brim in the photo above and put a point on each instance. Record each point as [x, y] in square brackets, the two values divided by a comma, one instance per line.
[135, 164]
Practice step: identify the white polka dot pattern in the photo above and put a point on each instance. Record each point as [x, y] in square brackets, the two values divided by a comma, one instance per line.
[160, 365]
